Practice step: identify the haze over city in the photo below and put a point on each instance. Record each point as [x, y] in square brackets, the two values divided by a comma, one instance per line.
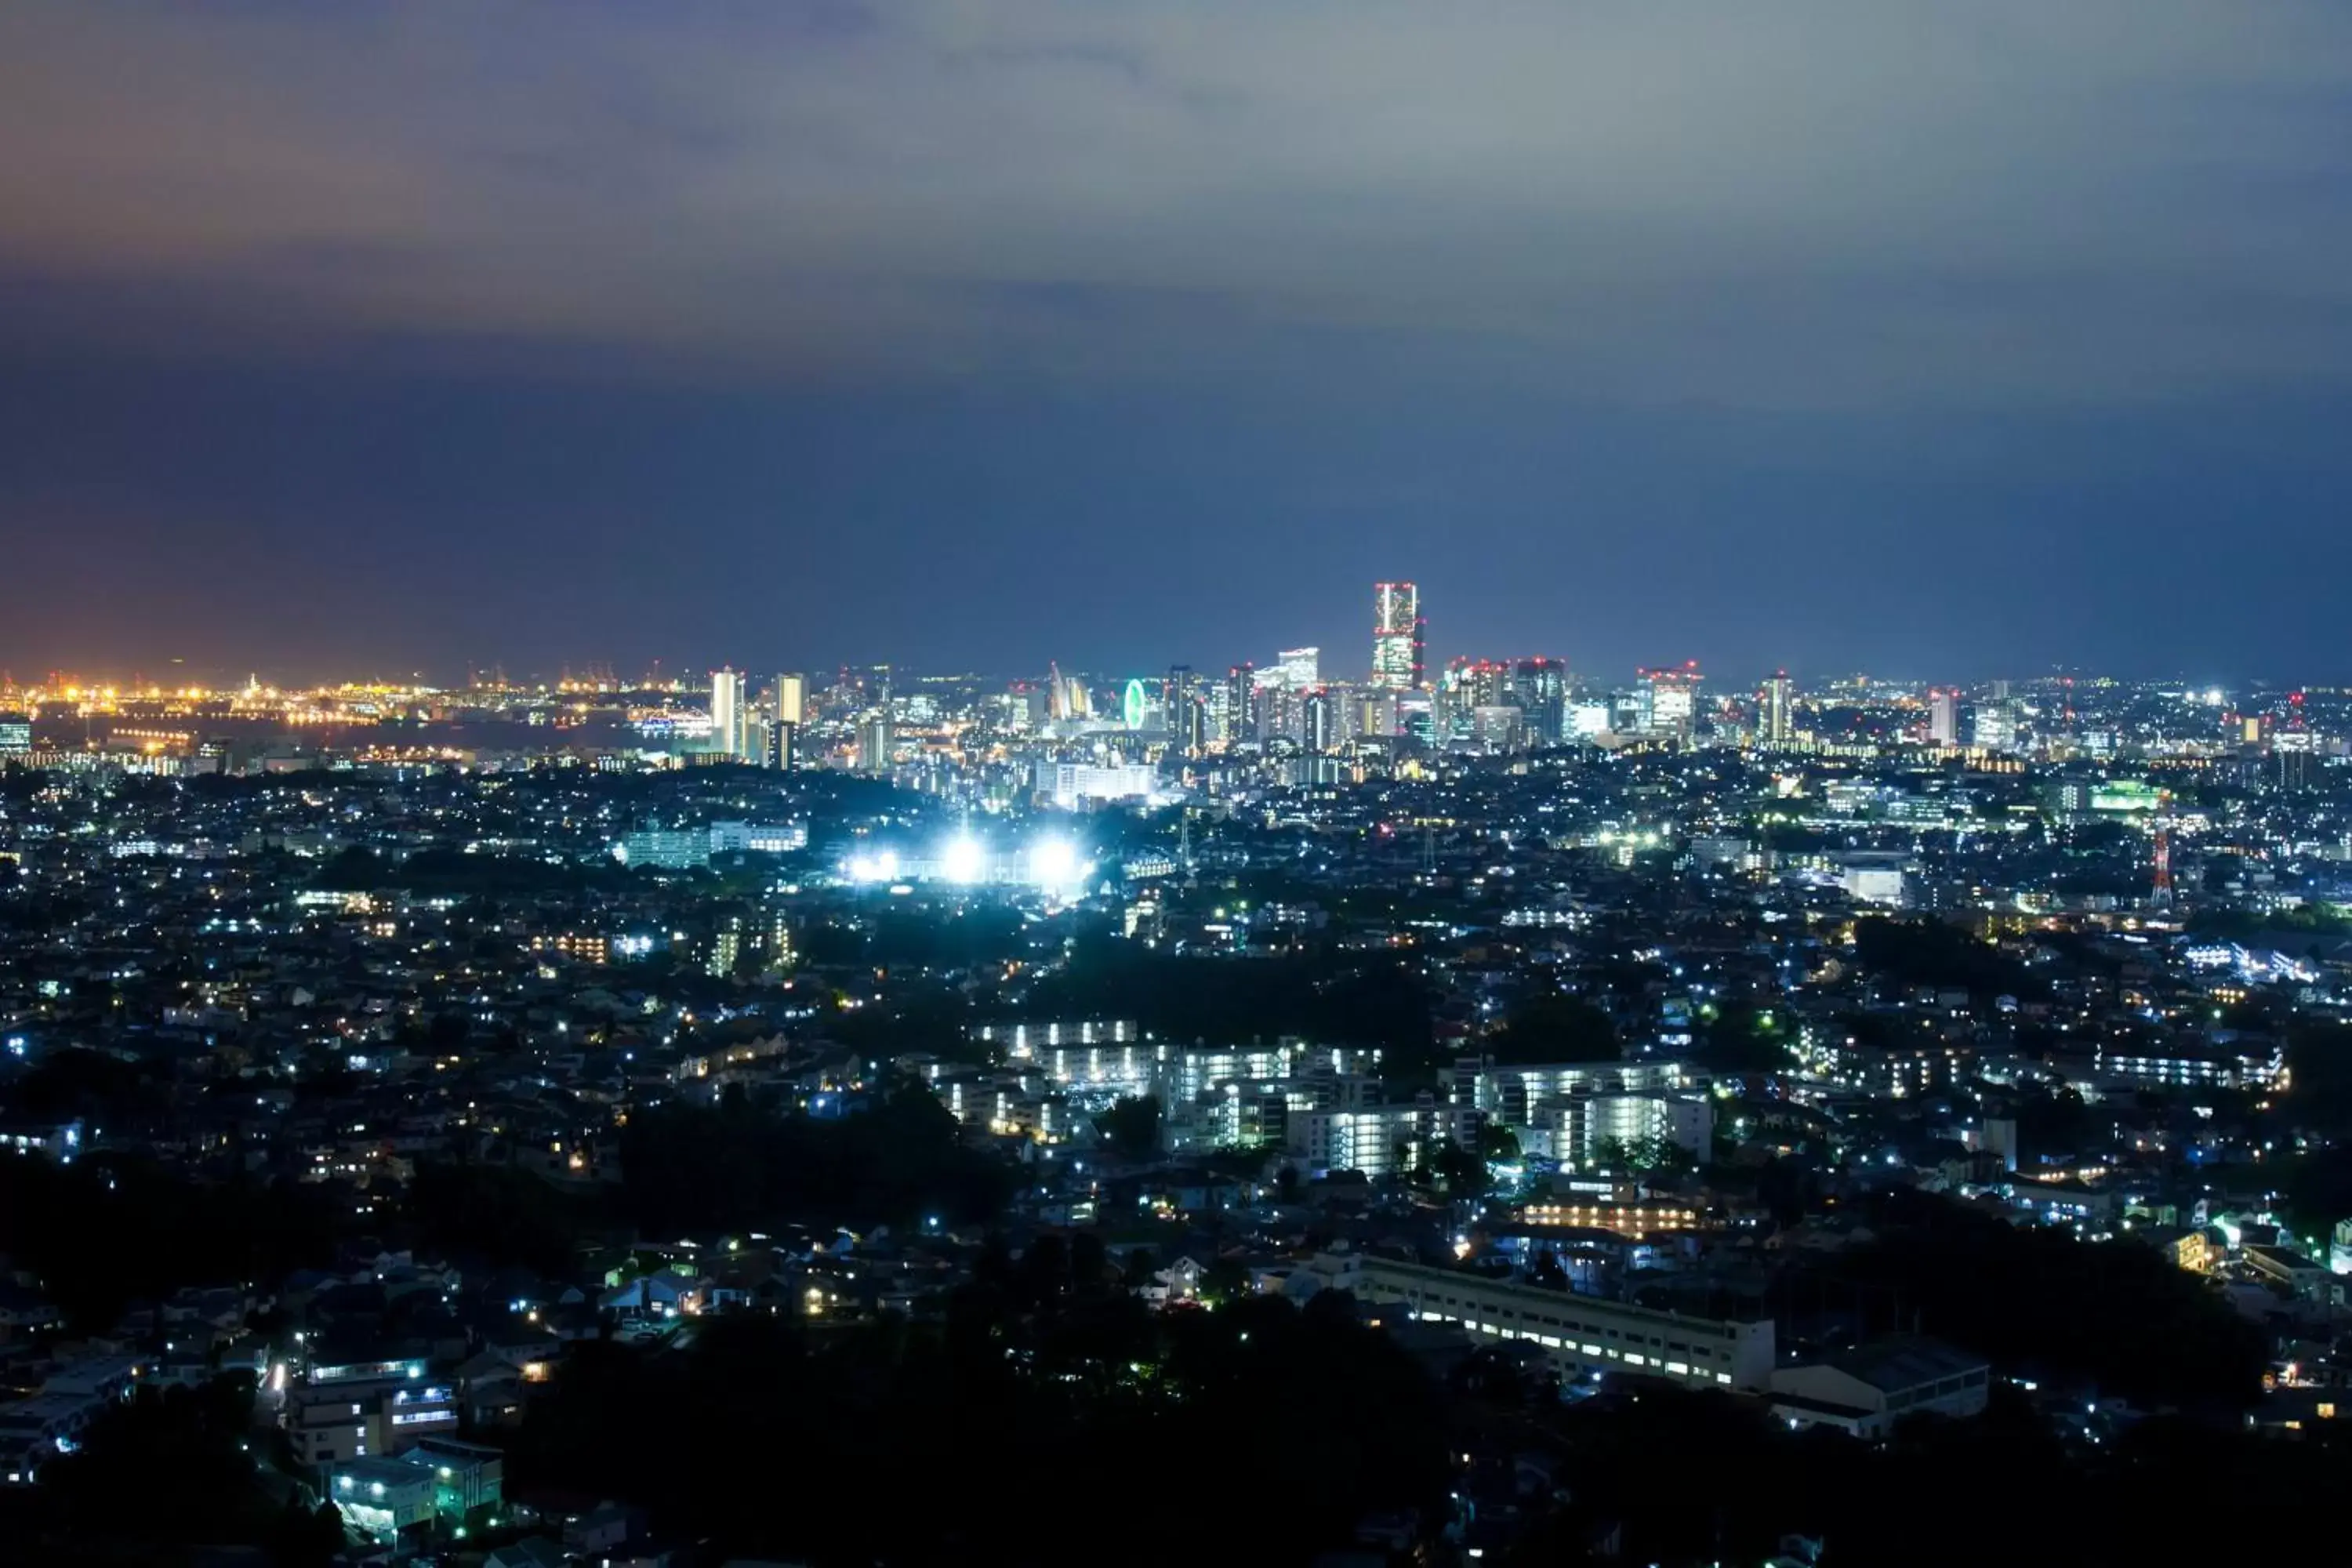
[1953, 344]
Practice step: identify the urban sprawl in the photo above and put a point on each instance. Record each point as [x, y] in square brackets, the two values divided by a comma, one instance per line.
[1481, 1112]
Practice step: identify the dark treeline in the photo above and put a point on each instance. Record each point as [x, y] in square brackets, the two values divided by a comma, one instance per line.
[1930, 952]
[153, 1479]
[1700, 1477]
[100, 1234]
[1046, 1419]
[737, 1166]
[2116, 1315]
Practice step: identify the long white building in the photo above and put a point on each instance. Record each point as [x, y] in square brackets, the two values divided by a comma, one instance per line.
[1582, 1333]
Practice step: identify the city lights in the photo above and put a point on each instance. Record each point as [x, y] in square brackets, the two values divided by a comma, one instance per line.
[963, 861]
[1053, 864]
[873, 866]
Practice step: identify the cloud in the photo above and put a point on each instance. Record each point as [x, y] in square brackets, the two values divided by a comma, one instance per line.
[1823, 204]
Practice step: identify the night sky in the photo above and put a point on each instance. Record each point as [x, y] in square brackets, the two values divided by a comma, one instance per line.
[1942, 341]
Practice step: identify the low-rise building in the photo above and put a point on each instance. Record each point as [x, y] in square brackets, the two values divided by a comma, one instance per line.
[1865, 1391]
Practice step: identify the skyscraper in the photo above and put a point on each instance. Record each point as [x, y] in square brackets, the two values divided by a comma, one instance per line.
[1944, 716]
[1318, 723]
[1296, 668]
[1241, 703]
[792, 698]
[1672, 700]
[1397, 640]
[874, 743]
[1539, 685]
[1777, 721]
[1994, 726]
[727, 715]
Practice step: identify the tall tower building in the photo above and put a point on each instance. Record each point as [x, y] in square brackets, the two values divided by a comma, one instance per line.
[1539, 685]
[1241, 703]
[1775, 723]
[1398, 655]
[1673, 700]
[1944, 716]
[1298, 669]
[1318, 731]
[728, 717]
[792, 698]
[874, 743]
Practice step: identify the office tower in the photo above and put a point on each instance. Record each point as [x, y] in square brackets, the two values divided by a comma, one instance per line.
[874, 743]
[1278, 710]
[1070, 699]
[1416, 717]
[783, 736]
[792, 698]
[1672, 700]
[1296, 668]
[1397, 637]
[1776, 718]
[1944, 716]
[1318, 723]
[1241, 703]
[1539, 685]
[1993, 727]
[727, 715]
[1187, 714]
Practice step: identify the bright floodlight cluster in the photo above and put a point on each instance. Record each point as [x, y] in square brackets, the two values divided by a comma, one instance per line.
[1048, 865]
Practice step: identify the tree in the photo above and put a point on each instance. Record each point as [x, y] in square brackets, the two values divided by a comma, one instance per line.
[1497, 1143]
[1556, 1028]
[1644, 1154]
[1459, 1171]
[1131, 1126]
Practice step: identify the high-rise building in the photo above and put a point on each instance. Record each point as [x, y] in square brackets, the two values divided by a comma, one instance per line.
[1297, 669]
[1397, 637]
[874, 743]
[16, 734]
[1241, 703]
[1319, 722]
[1993, 726]
[728, 717]
[1776, 718]
[1070, 698]
[1944, 716]
[1539, 685]
[1673, 700]
[1187, 712]
[783, 736]
[792, 698]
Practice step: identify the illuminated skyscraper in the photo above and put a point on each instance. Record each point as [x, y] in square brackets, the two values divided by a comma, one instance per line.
[1319, 732]
[1397, 640]
[1994, 726]
[1296, 668]
[1672, 700]
[1241, 703]
[874, 743]
[1539, 685]
[792, 698]
[1776, 720]
[1944, 716]
[728, 718]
